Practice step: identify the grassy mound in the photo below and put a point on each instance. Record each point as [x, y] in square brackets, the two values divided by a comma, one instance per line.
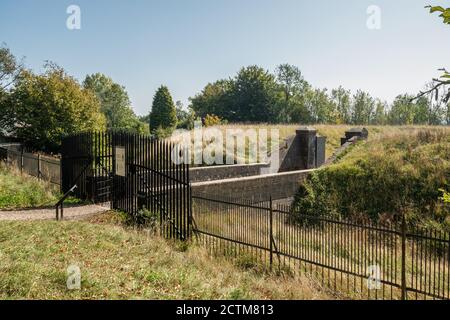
[396, 171]
[116, 263]
[21, 191]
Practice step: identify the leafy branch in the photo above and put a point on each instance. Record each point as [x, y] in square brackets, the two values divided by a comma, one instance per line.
[444, 80]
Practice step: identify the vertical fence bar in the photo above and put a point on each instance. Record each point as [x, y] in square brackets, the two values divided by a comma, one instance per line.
[271, 233]
[403, 235]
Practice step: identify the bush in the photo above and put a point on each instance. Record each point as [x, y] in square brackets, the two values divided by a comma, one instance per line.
[213, 120]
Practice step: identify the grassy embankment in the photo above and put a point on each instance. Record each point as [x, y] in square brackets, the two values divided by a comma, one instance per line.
[21, 191]
[118, 263]
[399, 170]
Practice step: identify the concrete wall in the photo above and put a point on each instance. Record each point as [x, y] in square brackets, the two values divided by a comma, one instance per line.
[279, 186]
[225, 172]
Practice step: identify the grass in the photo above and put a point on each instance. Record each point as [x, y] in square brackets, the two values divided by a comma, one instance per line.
[347, 246]
[21, 191]
[334, 133]
[118, 263]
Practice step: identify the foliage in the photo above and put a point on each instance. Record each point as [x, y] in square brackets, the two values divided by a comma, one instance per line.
[41, 109]
[185, 118]
[163, 114]
[255, 95]
[115, 104]
[10, 69]
[445, 196]
[213, 120]
[383, 178]
[19, 191]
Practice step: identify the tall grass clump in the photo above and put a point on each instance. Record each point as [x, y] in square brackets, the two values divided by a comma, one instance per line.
[21, 191]
[390, 175]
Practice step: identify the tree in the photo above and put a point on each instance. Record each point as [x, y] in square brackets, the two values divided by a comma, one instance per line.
[41, 109]
[293, 86]
[402, 111]
[342, 101]
[363, 108]
[10, 69]
[215, 98]
[163, 114]
[254, 96]
[185, 118]
[380, 116]
[115, 103]
[444, 80]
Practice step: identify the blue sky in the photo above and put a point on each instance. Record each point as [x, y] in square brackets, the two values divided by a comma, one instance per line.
[185, 44]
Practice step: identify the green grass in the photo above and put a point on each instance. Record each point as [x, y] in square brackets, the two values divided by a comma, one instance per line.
[22, 191]
[117, 263]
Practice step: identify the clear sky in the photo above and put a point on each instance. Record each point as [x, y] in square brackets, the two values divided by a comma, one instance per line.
[185, 44]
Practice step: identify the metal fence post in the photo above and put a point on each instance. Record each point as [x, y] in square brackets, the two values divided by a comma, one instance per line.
[271, 233]
[403, 232]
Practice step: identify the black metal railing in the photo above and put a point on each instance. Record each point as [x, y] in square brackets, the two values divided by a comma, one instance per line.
[359, 259]
[132, 172]
[59, 206]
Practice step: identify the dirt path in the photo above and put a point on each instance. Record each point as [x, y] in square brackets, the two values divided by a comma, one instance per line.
[70, 213]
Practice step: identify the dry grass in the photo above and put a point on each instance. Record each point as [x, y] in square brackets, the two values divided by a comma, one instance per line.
[117, 263]
[332, 132]
[349, 247]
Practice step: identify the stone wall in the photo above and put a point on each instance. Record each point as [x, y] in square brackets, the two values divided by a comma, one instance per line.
[278, 186]
[225, 172]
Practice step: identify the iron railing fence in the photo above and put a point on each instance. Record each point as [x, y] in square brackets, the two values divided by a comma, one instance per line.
[360, 259]
[134, 173]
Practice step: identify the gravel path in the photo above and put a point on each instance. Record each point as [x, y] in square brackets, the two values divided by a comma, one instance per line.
[70, 213]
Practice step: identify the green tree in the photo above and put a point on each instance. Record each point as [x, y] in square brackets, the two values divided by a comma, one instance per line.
[342, 101]
[10, 69]
[41, 109]
[163, 114]
[293, 86]
[115, 103]
[185, 118]
[254, 96]
[402, 111]
[380, 115]
[215, 98]
[362, 108]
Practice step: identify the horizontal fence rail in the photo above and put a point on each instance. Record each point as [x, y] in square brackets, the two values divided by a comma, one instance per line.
[359, 259]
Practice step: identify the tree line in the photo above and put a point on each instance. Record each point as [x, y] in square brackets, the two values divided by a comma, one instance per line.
[256, 95]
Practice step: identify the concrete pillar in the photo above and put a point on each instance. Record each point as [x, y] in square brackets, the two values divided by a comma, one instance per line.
[307, 145]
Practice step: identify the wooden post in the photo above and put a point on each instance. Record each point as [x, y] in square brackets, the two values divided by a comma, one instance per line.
[21, 161]
[39, 166]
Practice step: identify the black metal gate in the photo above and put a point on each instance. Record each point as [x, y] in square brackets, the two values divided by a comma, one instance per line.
[133, 173]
